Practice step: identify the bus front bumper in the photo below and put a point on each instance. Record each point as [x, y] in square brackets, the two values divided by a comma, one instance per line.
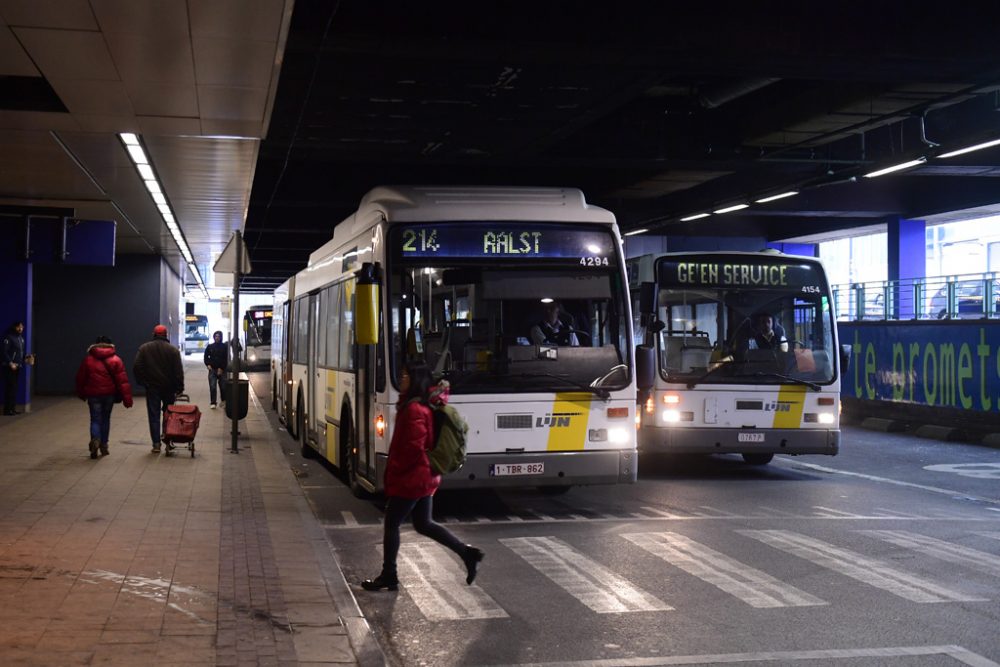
[558, 469]
[727, 441]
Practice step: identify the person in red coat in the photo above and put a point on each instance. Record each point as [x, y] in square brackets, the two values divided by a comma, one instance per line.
[100, 379]
[410, 483]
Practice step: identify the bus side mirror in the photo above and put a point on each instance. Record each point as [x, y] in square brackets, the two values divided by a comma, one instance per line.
[647, 298]
[645, 367]
[366, 302]
[845, 358]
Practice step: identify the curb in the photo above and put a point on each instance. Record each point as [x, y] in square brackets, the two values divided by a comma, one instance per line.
[884, 425]
[935, 432]
[991, 440]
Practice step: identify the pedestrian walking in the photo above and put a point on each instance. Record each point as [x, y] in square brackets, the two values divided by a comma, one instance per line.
[409, 482]
[217, 360]
[159, 369]
[102, 381]
[13, 357]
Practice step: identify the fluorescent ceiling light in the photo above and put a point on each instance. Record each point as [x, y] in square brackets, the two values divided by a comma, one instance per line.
[635, 231]
[129, 139]
[158, 198]
[164, 209]
[896, 167]
[730, 209]
[153, 187]
[169, 217]
[137, 154]
[969, 149]
[776, 197]
[146, 172]
[696, 216]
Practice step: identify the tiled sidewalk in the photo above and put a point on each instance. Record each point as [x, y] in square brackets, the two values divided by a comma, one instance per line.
[144, 559]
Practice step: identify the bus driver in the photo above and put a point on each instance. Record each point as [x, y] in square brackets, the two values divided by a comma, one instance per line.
[551, 330]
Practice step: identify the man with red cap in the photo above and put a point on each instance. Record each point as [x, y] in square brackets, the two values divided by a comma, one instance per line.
[159, 369]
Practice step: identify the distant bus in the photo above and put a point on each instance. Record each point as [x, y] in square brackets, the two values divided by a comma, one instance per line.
[257, 337]
[195, 333]
[717, 389]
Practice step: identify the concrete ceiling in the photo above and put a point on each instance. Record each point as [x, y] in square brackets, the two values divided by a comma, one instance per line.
[278, 119]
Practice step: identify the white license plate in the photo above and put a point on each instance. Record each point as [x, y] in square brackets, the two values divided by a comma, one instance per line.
[505, 469]
[750, 437]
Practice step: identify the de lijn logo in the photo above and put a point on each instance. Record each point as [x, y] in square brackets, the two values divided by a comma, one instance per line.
[555, 419]
[778, 406]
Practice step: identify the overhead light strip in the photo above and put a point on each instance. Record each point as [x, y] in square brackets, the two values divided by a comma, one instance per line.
[696, 216]
[896, 167]
[730, 209]
[148, 175]
[969, 149]
[776, 197]
[635, 232]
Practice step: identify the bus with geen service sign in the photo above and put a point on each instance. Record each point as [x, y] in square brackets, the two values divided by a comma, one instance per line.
[747, 359]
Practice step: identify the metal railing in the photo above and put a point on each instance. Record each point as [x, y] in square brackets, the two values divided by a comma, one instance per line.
[969, 296]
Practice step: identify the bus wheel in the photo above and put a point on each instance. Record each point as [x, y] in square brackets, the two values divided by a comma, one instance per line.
[758, 459]
[300, 429]
[351, 460]
[554, 490]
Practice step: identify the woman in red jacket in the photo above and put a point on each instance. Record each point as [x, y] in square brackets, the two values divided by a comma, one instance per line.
[409, 482]
[100, 379]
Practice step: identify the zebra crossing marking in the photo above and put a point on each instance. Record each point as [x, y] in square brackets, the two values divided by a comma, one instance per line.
[436, 584]
[858, 567]
[758, 589]
[946, 551]
[591, 583]
[958, 653]
[349, 519]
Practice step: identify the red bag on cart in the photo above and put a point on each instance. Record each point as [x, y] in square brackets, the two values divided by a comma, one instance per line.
[180, 422]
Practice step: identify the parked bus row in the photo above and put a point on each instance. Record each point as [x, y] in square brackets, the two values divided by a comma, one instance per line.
[522, 299]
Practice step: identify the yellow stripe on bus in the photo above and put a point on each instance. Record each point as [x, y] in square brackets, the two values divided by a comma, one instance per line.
[567, 422]
[794, 396]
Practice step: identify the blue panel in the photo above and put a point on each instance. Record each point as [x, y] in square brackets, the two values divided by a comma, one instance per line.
[90, 242]
[44, 240]
[804, 249]
[953, 365]
[705, 243]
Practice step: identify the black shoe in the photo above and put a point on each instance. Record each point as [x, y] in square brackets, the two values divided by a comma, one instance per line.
[390, 583]
[104, 449]
[94, 444]
[472, 558]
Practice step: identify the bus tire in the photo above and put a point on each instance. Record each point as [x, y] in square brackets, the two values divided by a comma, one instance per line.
[757, 458]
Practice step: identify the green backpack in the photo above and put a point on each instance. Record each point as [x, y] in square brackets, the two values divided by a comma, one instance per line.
[450, 432]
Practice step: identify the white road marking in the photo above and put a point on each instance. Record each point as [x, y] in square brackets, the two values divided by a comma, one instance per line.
[977, 470]
[887, 480]
[826, 511]
[858, 567]
[436, 583]
[962, 655]
[591, 583]
[716, 510]
[953, 553]
[663, 513]
[349, 519]
[756, 588]
[907, 515]
[775, 511]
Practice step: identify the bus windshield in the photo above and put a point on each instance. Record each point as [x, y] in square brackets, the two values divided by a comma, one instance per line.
[511, 308]
[740, 320]
[258, 326]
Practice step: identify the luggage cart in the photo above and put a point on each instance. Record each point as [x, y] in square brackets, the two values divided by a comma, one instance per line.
[180, 424]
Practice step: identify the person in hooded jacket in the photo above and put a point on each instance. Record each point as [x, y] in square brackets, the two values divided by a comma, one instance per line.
[100, 379]
[217, 361]
[409, 481]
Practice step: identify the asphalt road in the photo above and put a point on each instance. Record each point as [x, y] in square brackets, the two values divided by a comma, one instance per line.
[888, 554]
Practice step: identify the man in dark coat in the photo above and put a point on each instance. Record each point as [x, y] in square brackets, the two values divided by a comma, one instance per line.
[12, 353]
[159, 369]
[217, 360]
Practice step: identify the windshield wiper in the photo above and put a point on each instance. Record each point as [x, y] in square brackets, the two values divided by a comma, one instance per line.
[693, 383]
[787, 378]
[600, 392]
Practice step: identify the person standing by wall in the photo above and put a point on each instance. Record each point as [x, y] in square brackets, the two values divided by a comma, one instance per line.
[217, 360]
[410, 483]
[13, 357]
[159, 369]
[102, 381]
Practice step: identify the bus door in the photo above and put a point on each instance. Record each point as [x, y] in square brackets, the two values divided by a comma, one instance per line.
[316, 391]
[364, 398]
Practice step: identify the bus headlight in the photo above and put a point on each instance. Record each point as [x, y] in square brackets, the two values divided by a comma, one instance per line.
[617, 435]
[671, 416]
[826, 418]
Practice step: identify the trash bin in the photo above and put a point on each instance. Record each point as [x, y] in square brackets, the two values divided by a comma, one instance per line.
[242, 399]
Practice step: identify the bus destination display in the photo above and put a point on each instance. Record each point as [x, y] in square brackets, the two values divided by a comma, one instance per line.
[507, 241]
[737, 272]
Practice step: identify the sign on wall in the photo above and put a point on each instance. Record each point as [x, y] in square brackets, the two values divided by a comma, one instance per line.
[954, 365]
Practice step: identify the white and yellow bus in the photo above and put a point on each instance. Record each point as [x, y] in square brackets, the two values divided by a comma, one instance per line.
[747, 358]
[456, 277]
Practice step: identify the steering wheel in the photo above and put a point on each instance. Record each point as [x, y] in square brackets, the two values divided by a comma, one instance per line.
[599, 382]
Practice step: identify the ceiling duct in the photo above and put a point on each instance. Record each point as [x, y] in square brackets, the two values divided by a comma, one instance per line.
[719, 95]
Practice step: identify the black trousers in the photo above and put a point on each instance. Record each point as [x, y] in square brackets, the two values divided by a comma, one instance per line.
[9, 388]
[396, 511]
